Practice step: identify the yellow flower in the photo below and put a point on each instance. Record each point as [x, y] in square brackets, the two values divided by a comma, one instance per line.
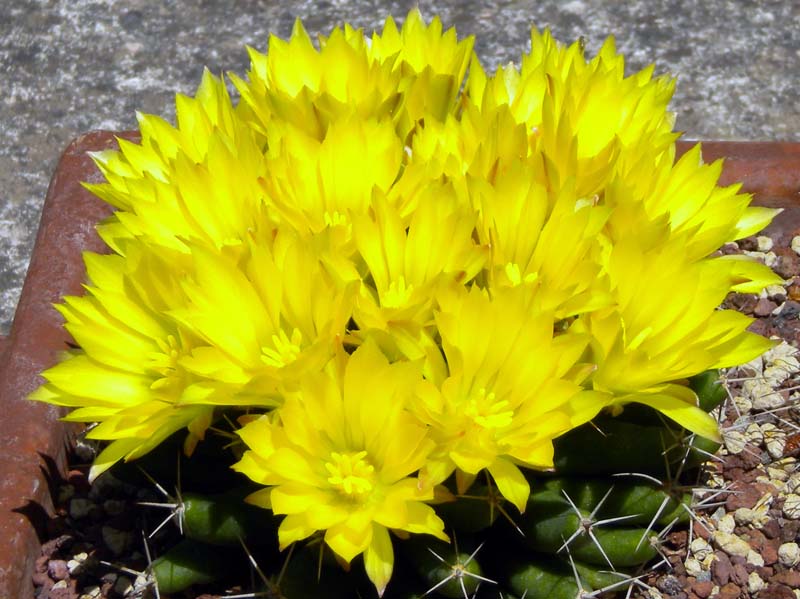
[643, 343]
[194, 184]
[406, 263]
[127, 374]
[400, 75]
[686, 197]
[584, 117]
[267, 319]
[511, 389]
[340, 456]
[316, 187]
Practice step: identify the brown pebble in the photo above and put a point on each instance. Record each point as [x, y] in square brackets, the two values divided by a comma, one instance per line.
[703, 588]
[722, 568]
[771, 530]
[740, 574]
[730, 591]
[41, 563]
[776, 591]
[788, 263]
[790, 531]
[765, 572]
[742, 302]
[701, 531]
[770, 552]
[67, 592]
[764, 307]
[748, 244]
[791, 578]
[794, 291]
[41, 579]
[57, 569]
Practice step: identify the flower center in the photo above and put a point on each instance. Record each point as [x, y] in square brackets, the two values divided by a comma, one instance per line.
[398, 293]
[284, 350]
[351, 473]
[165, 362]
[484, 410]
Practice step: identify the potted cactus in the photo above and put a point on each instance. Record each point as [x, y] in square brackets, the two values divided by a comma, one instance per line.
[412, 315]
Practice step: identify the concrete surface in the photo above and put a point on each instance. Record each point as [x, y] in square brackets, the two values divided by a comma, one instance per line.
[69, 66]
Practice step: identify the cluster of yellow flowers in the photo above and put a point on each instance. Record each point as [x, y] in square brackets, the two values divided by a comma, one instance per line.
[407, 269]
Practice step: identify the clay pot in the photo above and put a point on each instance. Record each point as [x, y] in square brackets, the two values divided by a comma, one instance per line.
[33, 441]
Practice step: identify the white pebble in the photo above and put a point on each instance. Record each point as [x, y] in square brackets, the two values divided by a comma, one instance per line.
[775, 290]
[774, 439]
[791, 506]
[755, 583]
[777, 474]
[735, 441]
[743, 404]
[693, 567]
[796, 244]
[726, 524]
[700, 548]
[793, 484]
[764, 243]
[743, 516]
[61, 584]
[753, 434]
[754, 558]
[789, 554]
[731, 544]
[654, 593]
[770, 259]
[91, 593]
[76, 564]
[762, 394]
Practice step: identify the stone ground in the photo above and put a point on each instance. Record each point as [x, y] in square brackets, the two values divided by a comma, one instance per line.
[69, 66]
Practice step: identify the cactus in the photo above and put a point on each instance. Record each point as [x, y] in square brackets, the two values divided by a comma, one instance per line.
[579, 535]
[387, 280]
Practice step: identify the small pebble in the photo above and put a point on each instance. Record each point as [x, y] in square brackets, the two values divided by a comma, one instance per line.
[764, 243]
[65, 493]
[726, 524]
[693, 567]
[743, 404]
[755, 583]
[61, 584]
[123, 586]
[754, 434]
[796, 244]
[85, 450]
[791, 506]
[700, 548]
[778, 474]
[754, 559]
[116, 540]
[774, 439]
[79, 507]
[731, 544]
[92, 592]
[764, 307]
[735, 441]
[789, 555]
[703, 589]
[114, 507]
[57, 569]
[77, 563]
